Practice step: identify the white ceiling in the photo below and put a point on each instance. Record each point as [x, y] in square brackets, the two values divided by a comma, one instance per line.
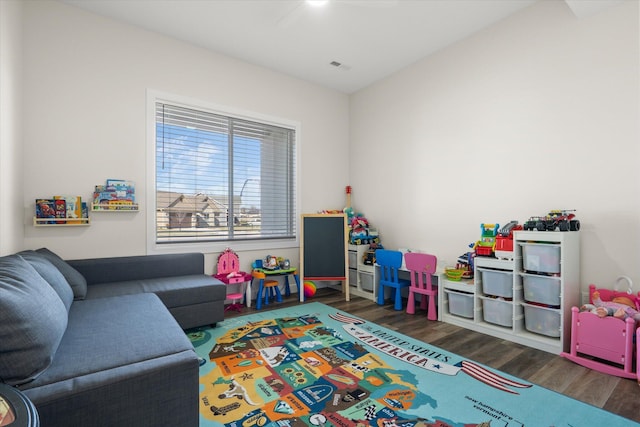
[371, 39]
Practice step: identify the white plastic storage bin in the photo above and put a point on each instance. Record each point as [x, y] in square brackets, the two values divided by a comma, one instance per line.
[353, 277]
[353, 259]
[541, 257]
[366, 281]
[497, 311]
[460, 303]
[498, 283]
[541, 289]
[542, 320]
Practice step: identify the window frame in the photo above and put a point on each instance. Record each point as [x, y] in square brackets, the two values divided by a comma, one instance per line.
[154, 96]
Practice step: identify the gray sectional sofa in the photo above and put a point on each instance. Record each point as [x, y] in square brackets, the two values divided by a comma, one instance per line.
[100, 342]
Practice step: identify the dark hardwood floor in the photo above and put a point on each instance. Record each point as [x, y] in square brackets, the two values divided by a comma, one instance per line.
[617, 395]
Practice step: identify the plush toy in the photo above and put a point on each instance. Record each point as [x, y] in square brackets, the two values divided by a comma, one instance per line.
[359, 226]
[349, 212]
[620, 307]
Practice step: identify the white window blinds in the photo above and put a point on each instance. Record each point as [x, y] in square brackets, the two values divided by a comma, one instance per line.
[221, 178]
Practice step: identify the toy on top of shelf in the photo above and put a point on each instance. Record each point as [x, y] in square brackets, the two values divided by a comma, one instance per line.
[504, 240]
[465, 263]
[486, 245]
[360, 233]
[563, 220]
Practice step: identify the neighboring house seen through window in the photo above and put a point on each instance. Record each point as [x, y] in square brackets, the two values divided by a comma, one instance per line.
[221, 178]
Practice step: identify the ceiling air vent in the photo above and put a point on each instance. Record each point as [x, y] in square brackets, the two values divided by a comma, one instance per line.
[340, 65]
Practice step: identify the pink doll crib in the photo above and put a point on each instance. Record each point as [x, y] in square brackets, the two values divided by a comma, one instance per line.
[605, 344]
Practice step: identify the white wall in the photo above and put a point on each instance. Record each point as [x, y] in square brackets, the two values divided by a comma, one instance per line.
[86, 79]
[538, 112]
[11, 235]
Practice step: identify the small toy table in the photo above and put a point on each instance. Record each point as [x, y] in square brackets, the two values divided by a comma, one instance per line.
[262, 273]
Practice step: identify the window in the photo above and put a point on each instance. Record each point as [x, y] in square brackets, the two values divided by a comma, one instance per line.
[220, 178]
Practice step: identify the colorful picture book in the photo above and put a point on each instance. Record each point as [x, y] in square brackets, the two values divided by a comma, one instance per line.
[74, 208]
[46, 208]
[62, 210]
[115, 194]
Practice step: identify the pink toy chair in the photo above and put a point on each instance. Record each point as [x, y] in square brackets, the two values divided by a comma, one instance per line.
[389, 263]
[421, 267]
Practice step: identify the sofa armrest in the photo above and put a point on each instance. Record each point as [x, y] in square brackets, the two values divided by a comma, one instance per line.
[120, 269]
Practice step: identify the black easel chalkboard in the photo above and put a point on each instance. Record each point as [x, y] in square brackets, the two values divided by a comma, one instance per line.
[323, 248]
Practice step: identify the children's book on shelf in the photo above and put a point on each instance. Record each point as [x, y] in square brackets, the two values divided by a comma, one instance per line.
[45, 208]
[125, 190]
[74, 208]
[115, 194]
[61, 210]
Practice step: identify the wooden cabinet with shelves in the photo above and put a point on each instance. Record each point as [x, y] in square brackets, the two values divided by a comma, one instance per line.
[528, 299]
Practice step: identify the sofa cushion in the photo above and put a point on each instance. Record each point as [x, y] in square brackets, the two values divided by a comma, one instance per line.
[33, 320]
[123, 361]
[51, 274]
[140, 323]
[173, 291]
[76, 280]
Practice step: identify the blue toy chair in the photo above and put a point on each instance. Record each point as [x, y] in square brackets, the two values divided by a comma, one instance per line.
[266, 288]
[389, 263]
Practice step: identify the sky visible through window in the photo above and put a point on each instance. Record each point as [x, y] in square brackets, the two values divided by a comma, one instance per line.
[195, 161]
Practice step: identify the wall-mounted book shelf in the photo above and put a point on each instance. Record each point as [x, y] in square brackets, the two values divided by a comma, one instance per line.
[111, 207]
[61, 222]
[60, 211]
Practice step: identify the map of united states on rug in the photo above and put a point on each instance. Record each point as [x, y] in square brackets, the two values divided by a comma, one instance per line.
[318, 367]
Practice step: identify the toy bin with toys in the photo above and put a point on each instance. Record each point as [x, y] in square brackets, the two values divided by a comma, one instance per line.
[496, 282]
[541, 257]
[460, 303]
[497, 311]
[541, 319]
[541, 289]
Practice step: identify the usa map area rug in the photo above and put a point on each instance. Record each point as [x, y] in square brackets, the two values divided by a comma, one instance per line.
[312, 365]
